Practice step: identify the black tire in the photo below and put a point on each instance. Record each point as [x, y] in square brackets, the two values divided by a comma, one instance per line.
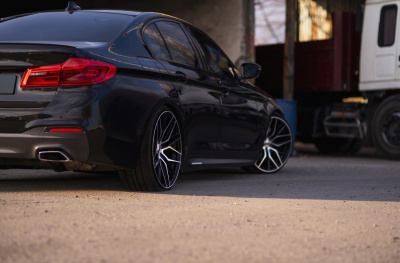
[385, 128]
[331, 145]
[159, 163]
[276, 148]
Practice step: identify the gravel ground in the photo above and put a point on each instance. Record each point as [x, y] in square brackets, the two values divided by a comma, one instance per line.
[316, 209]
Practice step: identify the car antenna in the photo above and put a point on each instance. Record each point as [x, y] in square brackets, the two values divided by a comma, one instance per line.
[72, 7]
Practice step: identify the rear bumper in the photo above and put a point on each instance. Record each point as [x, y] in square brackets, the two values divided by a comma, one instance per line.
[27, 145]
[112, 121]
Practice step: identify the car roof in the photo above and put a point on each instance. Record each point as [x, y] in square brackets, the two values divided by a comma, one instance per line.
[136, 18]
[133, 13]
[146, 14]
[114, 11]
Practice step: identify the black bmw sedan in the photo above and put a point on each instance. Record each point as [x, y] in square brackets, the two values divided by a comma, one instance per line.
[143, 94]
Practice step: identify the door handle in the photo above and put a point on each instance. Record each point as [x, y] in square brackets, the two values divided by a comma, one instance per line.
[224, 88]
[180, 76]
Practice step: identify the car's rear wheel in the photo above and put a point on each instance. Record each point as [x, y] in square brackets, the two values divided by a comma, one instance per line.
[160, 159]
[276, 148]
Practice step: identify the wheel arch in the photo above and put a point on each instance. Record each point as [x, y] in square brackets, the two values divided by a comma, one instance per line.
[125, 114]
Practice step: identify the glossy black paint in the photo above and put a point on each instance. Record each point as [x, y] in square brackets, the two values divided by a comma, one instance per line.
[223, 118]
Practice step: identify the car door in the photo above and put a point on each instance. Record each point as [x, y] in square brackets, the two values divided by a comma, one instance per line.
[198, 92]
[240, 107]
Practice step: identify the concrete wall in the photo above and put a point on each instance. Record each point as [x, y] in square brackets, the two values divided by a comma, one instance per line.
[229, 22]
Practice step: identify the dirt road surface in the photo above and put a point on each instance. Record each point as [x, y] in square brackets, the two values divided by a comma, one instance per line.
[317, 209]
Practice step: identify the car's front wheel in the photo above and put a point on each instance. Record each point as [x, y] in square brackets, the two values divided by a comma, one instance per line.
[159, 163]
[276, 148]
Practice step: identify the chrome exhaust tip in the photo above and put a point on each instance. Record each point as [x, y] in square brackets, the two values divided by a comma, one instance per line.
[53, 156]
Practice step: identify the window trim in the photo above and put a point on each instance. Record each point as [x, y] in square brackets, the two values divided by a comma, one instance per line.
[148, 46]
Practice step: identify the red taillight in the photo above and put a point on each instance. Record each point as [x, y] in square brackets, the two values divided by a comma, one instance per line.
[65, 129]
[73, 72]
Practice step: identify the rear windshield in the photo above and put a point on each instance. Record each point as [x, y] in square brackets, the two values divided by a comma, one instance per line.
[63, 26]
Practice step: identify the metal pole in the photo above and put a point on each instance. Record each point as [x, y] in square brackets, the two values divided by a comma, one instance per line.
[248, 25]
[290, 39]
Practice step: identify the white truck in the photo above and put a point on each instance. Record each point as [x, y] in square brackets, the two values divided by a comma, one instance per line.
[347, 88]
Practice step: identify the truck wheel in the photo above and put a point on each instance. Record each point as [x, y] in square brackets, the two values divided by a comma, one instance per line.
[159, 163]
[386, 128]
[330, 145]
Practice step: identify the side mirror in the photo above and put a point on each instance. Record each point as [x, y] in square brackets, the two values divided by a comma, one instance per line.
[250, 70]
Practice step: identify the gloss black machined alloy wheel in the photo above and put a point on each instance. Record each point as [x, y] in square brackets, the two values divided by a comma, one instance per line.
[276, 147]
[160, 157]
[166, 149]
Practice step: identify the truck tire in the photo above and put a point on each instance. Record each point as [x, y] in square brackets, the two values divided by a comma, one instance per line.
[385, 129]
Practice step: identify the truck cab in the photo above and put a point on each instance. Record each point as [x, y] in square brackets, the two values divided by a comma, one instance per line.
[379, 60]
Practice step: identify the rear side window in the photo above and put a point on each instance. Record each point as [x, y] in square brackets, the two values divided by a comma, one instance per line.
[178, 44]
[62, 26]
[387, 26]
[154, 41]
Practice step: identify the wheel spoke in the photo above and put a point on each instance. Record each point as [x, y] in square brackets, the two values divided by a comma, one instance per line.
[289, 140]
[271, 157]
[167, 133]
[178, 155]
[264, 157]
[165, 176]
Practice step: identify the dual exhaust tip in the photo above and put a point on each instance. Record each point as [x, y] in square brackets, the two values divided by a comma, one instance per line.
[53, 156]
[56, 156]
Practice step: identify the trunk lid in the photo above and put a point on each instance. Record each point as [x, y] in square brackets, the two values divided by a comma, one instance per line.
[21, 106]
[15, 59]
